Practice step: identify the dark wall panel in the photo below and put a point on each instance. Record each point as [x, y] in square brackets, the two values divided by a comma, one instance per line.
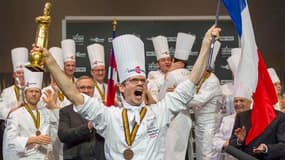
[17, 25]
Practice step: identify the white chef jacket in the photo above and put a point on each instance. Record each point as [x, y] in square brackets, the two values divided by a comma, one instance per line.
[57, 145]
[20, 126]
[103, 88]
[228, 89]
[224, 133]
[206, 105]
[9, 101]
[150, 139]
[155, 81]
[177, 135]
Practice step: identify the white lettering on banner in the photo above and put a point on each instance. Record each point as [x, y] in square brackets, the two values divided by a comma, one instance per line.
[226, 67]
[81, 55]
[171, 50]
[80, 69]
[226, 51]
[227, 38]
[152, 66]
[150, 53]
[79, 39]
[171, 39]
[97, 40]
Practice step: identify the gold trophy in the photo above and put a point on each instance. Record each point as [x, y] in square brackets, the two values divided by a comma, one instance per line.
[36, 56]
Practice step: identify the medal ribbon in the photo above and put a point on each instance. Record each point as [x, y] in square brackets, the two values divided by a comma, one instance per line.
[130, 137]
[204, 78]
[36, 120]
[16, 89]
[102, 95]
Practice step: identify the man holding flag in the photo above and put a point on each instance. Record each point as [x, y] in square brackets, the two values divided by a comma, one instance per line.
[261, 131]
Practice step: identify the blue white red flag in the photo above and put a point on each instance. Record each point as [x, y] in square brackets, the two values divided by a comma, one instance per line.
[252, 74]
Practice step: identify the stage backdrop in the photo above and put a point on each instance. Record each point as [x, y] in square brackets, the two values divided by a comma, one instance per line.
[87, 30]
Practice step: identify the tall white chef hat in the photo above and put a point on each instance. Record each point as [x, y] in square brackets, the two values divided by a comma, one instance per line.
[68, 49]
[242, 92]
[233, 60]
[56, 52]
[129, 54]
[96, 55]
[184, 44]
[273, 75]
[33, 79]
[161, 48]
[20, 57]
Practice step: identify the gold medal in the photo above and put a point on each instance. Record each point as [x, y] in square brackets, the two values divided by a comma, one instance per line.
[128, 154]
[38, 133]
[130, 137]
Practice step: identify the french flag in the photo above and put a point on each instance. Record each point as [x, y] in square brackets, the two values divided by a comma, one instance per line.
[252, 72]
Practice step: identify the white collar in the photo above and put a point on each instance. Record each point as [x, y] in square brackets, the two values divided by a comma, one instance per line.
[133, 111]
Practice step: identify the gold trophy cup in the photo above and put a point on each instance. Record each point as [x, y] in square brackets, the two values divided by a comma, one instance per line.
[41, 41]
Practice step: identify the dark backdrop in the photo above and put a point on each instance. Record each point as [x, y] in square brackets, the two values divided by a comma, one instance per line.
[17, 26]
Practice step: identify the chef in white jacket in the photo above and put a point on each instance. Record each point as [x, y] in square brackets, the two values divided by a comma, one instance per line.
[228, 88]
[179, 129]
[13, 95]
[28, 128]
[97, 62]
[205, 105]
[156, 78]
[277, 85]
[61, 101]
[242, 102]
[149, 122]
[68, 47]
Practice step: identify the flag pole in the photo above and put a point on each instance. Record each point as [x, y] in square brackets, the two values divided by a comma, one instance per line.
[209, 69]
[113, 55]
[110, 98]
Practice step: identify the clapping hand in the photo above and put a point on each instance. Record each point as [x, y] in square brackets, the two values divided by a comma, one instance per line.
[240, 133]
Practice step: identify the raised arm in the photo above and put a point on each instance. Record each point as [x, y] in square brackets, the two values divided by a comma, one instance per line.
[201, 62]
[66, 86]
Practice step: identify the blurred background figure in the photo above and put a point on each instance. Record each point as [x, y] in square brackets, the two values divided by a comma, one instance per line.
[277, 85]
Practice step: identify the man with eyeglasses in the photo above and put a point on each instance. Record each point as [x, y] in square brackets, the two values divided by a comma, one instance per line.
[78, 134]
[97, 63]
[136, 130]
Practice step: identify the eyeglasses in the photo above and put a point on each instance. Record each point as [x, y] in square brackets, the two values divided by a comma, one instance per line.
[86, 87]
[136, 80]
[98, 70]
